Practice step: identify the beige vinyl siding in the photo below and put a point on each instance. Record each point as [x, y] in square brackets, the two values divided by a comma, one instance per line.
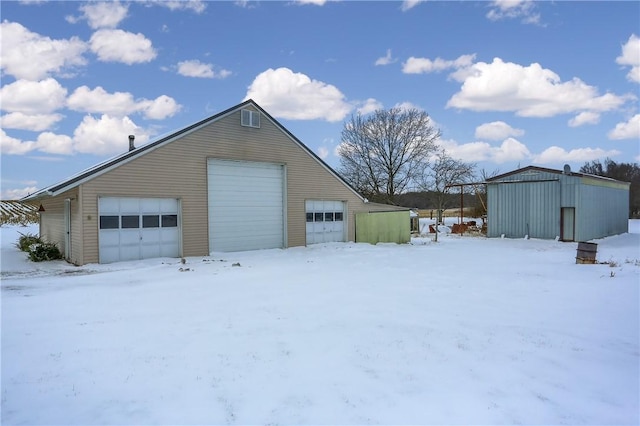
[178, 169]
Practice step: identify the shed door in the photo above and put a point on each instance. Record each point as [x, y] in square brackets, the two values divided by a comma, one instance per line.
[568, 223]
[246, 205]
[325, 221]
[138, 228]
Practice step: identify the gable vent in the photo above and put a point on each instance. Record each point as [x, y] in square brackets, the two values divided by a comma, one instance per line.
[250, 118]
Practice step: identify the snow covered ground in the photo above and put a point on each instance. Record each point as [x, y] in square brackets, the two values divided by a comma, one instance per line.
[466, 330]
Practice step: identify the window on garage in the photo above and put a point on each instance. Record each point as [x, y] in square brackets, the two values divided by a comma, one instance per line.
[130, 221]
[169, 220]
[151, 221]
[109, 222]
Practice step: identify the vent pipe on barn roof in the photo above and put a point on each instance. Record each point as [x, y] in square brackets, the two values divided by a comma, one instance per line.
[131, 139]
[567, 169]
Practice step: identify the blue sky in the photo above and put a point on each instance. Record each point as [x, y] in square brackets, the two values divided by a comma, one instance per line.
[508, 83]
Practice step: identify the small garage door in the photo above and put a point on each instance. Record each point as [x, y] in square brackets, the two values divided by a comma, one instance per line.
[246, 205]
[325, 221]
[138, 228]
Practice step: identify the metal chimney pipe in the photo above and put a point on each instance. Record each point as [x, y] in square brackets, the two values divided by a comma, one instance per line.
[131, 139]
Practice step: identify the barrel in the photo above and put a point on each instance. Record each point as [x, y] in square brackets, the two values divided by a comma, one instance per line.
[586, 253]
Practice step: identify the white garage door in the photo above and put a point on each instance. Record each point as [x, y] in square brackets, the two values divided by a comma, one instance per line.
[138, 228]
[325, 221]
[246, 205]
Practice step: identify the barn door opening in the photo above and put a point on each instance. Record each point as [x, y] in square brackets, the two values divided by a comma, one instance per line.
[567, 223]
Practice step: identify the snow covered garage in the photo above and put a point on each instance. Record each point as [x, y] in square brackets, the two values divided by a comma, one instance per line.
[545, 203]
[235, 181]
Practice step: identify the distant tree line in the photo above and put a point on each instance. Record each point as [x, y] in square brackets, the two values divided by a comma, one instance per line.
[431, 200]
[625, 172]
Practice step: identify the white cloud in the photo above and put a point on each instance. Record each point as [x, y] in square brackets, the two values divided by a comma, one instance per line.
[295, 96]
[410, 4]
[16, 194]
[244, 4]
[121, 46]
[13, 146]
[314, 2]
[369, 106]
[555, 154]
[120, 104]
[627, 130]
[197, 6]
[106, 135]
[530, 91]
[98, 100]
[497, 130]
[385, 60]
[160, 108]
[101, 136]
[323, 152]
[33, 97]
[585, 117]
[631, 57]
[33, 122]
[513, 9]
[195, 68]
[104, 14]
[415, 65]
[404, 106]
[28, 55]
[510, 150]
[54, 144]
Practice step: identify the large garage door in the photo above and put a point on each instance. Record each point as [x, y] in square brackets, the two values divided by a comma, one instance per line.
[138, 228]
[325, 221]
[246, 205]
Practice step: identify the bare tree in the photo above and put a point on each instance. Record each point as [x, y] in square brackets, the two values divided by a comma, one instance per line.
[387, 152]
[443, 172]
[480, 190]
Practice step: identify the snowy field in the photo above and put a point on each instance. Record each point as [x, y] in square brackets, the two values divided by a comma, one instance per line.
[467, 330]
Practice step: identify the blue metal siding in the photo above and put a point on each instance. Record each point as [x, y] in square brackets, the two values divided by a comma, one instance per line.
[601, 211]
[569, 191]
[524, 208]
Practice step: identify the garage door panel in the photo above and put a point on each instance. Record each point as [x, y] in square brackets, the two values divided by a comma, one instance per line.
[109, 254]
[246, 205]
[110, 237]
[152, 206]
[129, 205]
[109, 205]
[150, 251]
[150, 236]
[130, 237]
[169, 206]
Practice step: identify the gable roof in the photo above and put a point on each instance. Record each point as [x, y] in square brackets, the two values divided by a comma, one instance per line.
[567, 171]
[118, 160]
